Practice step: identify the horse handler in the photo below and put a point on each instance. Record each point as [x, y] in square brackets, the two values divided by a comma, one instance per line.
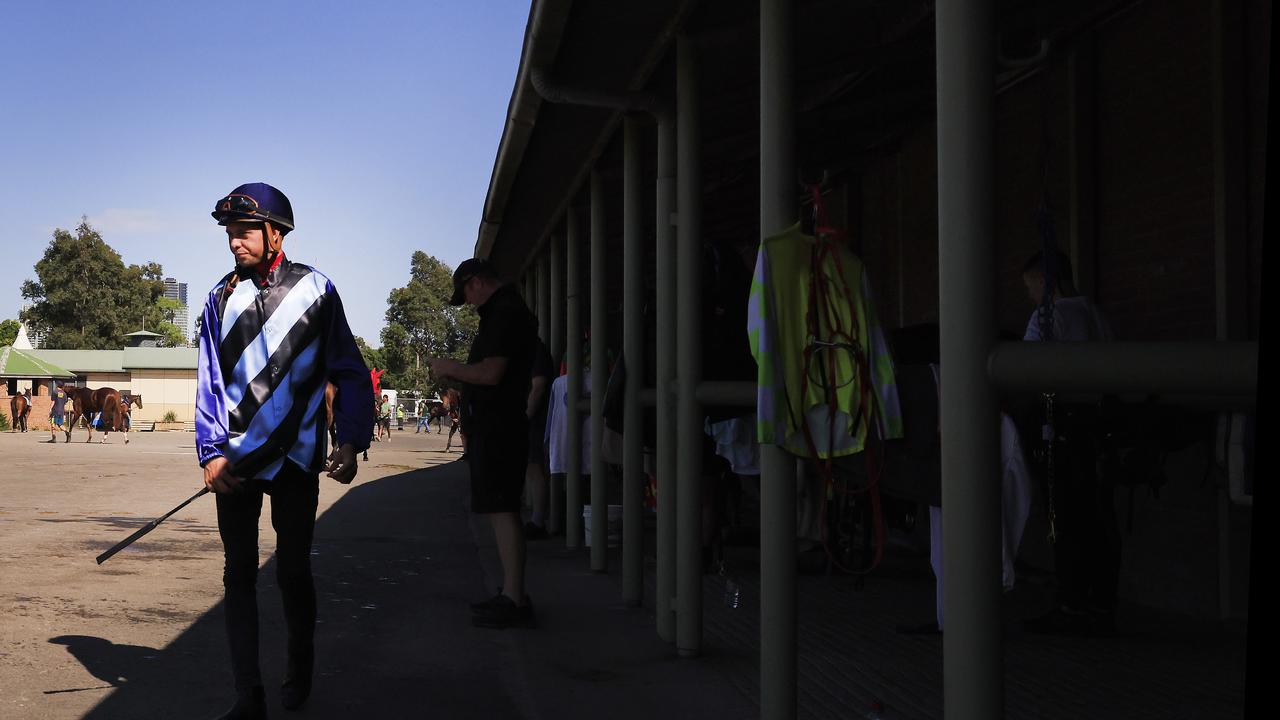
[273, 333]
[58, 414]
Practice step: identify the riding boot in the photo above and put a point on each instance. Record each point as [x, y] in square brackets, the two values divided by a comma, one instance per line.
[297, 678]
[251, 704]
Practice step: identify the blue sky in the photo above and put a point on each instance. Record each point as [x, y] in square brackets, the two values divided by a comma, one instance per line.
[379, 120]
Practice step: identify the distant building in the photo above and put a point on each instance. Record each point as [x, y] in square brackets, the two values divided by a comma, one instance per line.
[143, 338]
[164, 377]
[35, 337]
[175, 290]
[23, 342]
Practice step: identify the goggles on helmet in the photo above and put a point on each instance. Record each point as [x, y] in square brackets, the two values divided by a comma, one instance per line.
[242, 207]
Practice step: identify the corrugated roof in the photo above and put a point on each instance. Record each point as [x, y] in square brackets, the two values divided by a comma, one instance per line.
[83, 361]
[15, 363]
[161, 358]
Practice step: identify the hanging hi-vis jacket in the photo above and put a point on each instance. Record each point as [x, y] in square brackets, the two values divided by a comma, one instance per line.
[267, 348]
[779, 318]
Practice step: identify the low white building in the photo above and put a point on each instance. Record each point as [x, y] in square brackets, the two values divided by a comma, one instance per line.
[164, 377]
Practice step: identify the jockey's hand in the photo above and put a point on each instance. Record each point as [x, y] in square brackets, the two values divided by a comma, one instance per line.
[219, 476]
[342, 463]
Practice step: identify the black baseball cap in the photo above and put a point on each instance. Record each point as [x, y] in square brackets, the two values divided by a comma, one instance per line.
[467, 270]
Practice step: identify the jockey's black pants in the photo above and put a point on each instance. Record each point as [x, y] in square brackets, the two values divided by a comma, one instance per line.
[294, 494]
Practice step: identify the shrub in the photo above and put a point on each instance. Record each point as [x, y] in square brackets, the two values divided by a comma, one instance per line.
[4, 422]
[170, 417]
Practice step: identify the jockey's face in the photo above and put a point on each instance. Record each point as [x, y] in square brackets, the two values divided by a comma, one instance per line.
[246, 242]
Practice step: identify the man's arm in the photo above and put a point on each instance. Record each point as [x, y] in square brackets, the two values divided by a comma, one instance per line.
[488, 371]
[537, 388]
[211, 413]
[353, 409]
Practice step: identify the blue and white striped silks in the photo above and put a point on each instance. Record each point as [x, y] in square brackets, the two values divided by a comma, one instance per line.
[266, 351]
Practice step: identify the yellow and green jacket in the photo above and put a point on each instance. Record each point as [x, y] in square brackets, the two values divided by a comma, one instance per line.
[779, 335]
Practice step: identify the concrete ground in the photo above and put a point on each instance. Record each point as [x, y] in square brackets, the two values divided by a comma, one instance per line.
[397, 559]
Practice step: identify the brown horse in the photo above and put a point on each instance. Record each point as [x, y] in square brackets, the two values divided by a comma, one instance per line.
[330, 392]
[453, 407]
[87, 402]
[126, 402]
[19, 409]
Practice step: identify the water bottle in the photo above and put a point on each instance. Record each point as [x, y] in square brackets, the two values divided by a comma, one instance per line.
[732, 594]
[732, 591]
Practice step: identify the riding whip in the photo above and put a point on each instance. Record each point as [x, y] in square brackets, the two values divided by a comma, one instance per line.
[147, 528]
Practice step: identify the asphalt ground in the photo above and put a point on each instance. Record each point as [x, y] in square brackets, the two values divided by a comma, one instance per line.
[397, 559]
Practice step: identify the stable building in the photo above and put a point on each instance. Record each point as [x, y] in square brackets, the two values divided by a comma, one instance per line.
[21, 371]
[648, 145]
[164, 377]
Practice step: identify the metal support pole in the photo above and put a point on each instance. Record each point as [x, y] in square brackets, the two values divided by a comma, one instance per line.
[557, 287]
[1229, 220]
[544, 298]
[778, 210]
[573, 363]
[688, 353]
[973, 677]
[1203, 367]
[665, 379]
[599, 380]
[555, 514]
[633, 353]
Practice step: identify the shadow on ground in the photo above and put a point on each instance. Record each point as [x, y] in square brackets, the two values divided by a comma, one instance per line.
[395, 566]
[116, 665]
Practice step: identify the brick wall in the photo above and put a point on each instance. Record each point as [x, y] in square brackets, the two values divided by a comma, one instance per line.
[1155, 173]
[1153, 185]
[38, 419]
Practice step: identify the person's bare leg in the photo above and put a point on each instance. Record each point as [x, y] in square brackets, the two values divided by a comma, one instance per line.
[509, 536]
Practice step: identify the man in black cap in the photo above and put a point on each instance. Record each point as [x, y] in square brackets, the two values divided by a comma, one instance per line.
[495, 390]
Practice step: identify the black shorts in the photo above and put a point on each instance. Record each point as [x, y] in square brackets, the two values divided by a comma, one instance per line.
[497, 461]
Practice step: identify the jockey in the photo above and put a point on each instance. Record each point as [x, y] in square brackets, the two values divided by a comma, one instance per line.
[273, 334]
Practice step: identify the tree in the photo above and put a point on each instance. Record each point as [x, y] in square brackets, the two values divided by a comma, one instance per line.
[173, 335]
[86, 298]
[421, 324]
[373, 357]
[9, 332]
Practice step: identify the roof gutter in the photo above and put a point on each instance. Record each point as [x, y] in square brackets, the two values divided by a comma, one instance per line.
[628, 101]
[624, 102]
[543, 33]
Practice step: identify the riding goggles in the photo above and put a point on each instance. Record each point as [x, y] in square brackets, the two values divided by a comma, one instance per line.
[243, 207]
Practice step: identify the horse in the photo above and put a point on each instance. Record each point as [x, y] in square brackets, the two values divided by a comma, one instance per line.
[437, 412]
[453, 408]
[125, 419]
[19, 408]
[330, 392]
[87, 401]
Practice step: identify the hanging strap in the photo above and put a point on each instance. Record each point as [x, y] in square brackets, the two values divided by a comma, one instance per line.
[827, 335]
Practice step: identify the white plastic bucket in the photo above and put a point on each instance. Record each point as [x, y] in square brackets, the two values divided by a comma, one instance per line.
[615, 524]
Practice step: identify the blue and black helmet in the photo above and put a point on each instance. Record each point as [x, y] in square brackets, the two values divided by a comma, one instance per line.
[255, 202]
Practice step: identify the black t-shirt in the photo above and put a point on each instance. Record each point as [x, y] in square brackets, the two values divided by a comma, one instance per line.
[508, 330]
[59, 402]
[545, 367]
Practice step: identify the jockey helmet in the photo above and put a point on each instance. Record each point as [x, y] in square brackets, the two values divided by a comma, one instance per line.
[255, 202]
